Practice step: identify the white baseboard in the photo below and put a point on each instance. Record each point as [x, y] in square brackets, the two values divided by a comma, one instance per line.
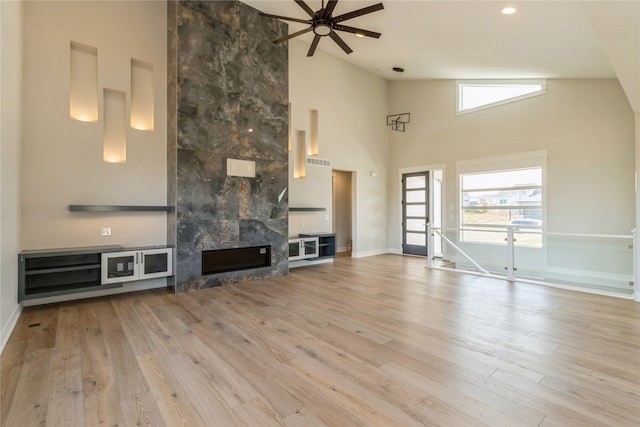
[364, 254]
[8, 328]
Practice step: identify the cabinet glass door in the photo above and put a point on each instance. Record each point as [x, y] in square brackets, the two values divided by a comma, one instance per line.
[119, 267]
[310, 247]
[156, 263]
[294, 249]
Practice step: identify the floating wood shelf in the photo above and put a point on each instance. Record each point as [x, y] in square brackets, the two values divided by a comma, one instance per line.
[119, 208]
[307, 209]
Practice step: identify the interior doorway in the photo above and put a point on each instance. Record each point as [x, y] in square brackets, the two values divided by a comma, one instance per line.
[343, 210]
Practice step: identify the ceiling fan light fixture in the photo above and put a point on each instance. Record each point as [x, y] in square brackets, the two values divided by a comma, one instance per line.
[322, 28]
[359, 35]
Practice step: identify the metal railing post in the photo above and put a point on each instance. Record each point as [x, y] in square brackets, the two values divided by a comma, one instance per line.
[634, 244]
[511, 274]
[429, 246]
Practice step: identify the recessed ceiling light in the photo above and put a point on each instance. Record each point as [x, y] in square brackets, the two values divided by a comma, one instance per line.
[398, 69]
[509, 10]
[359, 35]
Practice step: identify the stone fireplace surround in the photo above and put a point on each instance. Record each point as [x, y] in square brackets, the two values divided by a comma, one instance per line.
[227, 98]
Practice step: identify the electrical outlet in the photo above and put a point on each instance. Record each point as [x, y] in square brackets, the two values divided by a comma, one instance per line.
[105, 231]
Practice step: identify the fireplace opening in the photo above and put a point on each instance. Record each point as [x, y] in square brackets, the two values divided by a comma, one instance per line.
[225, 260]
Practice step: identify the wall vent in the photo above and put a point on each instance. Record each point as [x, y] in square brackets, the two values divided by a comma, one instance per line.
[312, 161]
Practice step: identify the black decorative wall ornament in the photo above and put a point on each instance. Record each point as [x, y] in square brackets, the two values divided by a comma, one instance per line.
[397, 121]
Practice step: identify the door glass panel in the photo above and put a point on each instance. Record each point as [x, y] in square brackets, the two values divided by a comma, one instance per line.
[413, 182]
[416, 211]
[416, 196]
[416, 225]
[419, 239]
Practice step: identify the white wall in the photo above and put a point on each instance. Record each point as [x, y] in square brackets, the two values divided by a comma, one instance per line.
[586, 126]
[352, 108]
[63, 157]
[10, 146]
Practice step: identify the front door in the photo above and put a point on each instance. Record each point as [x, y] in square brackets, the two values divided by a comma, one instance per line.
[415, 212]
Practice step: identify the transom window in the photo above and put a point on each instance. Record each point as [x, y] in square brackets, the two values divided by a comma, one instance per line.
[479, 94]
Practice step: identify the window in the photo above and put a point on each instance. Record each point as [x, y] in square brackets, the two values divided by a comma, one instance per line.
[494, 195]
[480, 94]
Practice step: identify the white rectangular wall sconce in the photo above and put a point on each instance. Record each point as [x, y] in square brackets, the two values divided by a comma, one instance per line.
[141, 95]
[245, 168]
[312, 149]
[115, 128]
[300, 159]
[290, 136]
[83, 82]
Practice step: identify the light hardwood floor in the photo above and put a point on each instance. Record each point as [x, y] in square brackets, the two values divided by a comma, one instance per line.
[378, 341]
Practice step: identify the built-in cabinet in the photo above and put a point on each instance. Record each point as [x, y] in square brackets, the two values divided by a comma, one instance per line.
[303, 248]
[55, 272]
[312, 246]
[127, 266]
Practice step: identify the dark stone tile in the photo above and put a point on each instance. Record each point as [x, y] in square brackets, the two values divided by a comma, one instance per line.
[205, 192]
[264, 197]
[269, 122]
[265, 73]
[226, 12]
[208, 50]
[208, 117]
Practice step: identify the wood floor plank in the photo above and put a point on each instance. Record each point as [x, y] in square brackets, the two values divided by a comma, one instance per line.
[129, 380]
[101, 401]
[376, 341]
[202, 392]
[173, 403]
[31, 398]
[141, 410]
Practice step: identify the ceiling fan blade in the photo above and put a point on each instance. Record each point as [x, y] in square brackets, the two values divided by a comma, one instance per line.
[314, 45]
[303, 21]
[306, 8]
[357, 31]
[292, 35]
[331, 4]
[358, 12]
[336, 38]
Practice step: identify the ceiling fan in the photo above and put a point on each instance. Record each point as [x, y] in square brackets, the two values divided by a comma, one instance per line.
[322, 23]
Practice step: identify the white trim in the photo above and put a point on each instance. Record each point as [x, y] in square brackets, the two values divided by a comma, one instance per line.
[9, 326]
[505, 162]
[370, 253]
[527, 159]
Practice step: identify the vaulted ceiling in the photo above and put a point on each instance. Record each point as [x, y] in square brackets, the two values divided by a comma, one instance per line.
[474, 40]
